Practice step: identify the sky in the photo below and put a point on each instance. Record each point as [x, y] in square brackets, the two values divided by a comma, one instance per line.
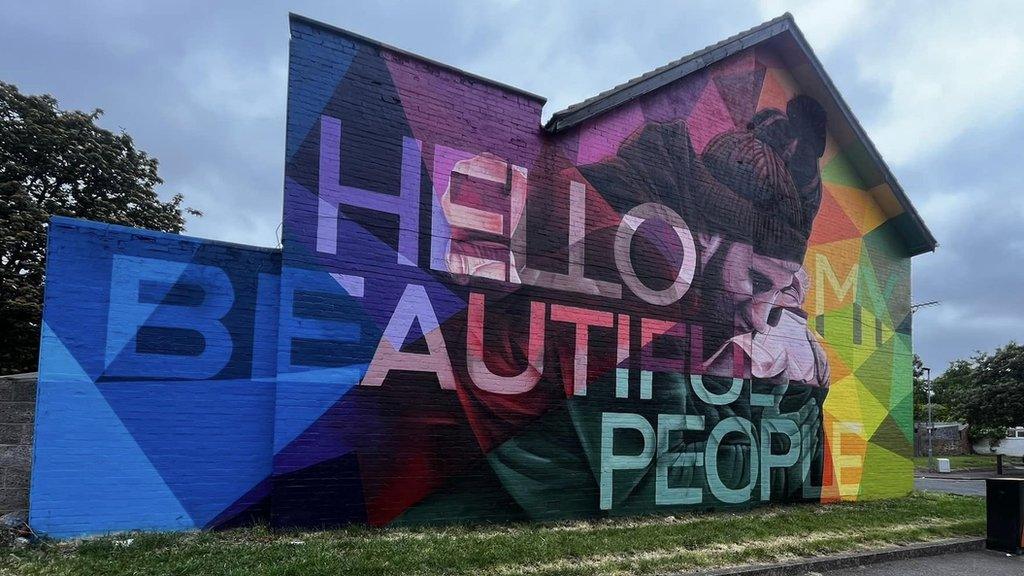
[939, 87]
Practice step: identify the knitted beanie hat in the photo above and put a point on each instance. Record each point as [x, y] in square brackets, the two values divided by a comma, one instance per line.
[771, 179]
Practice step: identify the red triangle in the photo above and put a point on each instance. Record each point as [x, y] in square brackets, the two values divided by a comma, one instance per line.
[831, 223]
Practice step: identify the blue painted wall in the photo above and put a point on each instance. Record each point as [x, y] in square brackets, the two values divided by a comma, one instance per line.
[156, 399]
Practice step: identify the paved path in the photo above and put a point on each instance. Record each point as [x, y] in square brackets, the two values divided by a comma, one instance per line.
[972, 487]
[986, 562]
[964, 482]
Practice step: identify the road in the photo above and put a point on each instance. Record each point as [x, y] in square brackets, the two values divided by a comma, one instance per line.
[985, 562]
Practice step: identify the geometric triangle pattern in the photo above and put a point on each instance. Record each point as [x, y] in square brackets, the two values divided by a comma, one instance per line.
[689, 300]
[171, 446]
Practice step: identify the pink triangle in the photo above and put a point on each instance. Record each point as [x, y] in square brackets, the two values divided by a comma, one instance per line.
[601, 138]
[481, 127]
[740, 93]
[709, 118]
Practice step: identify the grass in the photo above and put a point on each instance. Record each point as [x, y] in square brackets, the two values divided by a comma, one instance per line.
[630, 546]
[969, 462]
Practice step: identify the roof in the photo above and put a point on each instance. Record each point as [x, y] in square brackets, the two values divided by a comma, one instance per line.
[957, 425]
[664, 75]
[784, 32]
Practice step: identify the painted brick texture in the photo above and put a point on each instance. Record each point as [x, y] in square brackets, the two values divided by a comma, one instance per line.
[692, 301]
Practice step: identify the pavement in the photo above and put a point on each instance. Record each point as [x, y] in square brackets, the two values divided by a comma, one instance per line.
[962, 486]
[963, 482]
[985, 562]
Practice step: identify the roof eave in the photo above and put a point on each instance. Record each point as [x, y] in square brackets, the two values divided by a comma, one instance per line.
[923, 240]
[927, 242]
[579, 113]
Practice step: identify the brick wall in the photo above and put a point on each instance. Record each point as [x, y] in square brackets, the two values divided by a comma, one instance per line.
[17, 413]
[690, 301]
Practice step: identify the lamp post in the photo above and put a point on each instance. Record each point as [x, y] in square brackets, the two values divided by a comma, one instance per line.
[928, 392]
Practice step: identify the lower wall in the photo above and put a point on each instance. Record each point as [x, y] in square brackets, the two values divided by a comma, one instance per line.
[187, 384]
[17, 413]
[156, 398]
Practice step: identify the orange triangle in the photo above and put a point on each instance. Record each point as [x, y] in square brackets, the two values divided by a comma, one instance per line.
[776, 90]
[832, 223]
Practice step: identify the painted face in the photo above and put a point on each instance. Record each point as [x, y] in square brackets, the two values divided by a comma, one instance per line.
[760, 287]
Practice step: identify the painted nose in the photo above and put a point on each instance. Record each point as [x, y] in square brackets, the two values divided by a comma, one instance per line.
[763, 311]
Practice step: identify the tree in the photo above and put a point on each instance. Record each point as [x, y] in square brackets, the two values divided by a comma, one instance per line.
[992, 398]
[950, 386]
[59, 162]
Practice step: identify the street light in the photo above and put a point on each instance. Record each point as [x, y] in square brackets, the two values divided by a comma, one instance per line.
[928, 393]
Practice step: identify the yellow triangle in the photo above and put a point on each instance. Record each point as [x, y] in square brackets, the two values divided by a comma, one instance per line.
[872, 411]
[843, 401]
[886, 200]
[859, 205]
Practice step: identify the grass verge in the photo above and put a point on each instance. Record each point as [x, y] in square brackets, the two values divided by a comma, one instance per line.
[631, 546]
[968, 462]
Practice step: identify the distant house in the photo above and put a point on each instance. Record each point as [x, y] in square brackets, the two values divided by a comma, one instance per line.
[1011, 445]
[948, 438]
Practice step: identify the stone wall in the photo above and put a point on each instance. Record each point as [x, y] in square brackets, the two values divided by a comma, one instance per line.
[17, 414]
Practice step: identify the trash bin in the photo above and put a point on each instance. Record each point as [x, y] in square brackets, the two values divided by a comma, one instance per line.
[1005, 511]
[943, 465]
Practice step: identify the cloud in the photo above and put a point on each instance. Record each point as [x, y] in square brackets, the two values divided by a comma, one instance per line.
[234, 84]
[945, 72]
[826, 24]
[940, 68]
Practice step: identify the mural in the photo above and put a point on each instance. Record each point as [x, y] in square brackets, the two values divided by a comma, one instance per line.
[156, 381]
[692, 301]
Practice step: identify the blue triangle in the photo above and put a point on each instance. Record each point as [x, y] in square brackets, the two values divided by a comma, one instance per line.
[81, 443]
[210, 440]
[56, 363]
[308, 57]
[305, 396]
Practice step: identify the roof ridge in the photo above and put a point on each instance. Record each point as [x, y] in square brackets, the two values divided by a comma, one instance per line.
[552, 124]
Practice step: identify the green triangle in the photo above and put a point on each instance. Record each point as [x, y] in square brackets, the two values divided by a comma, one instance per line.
[883, 247]
[886, 474]
[891, 436]
[868, 293]
[902, 376]
[902, 344]
[875, 374]
[838, 333]
[840, 171]
[902, 414]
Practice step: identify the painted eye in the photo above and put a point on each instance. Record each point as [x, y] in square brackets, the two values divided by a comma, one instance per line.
[759, 282]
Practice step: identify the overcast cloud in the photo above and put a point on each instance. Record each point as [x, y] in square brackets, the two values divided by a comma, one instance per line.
[938, 86]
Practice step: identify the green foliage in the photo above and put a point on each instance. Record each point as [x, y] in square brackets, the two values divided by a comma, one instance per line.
[986, 391]
[59, 162]
[644, 545]
[952, 385]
